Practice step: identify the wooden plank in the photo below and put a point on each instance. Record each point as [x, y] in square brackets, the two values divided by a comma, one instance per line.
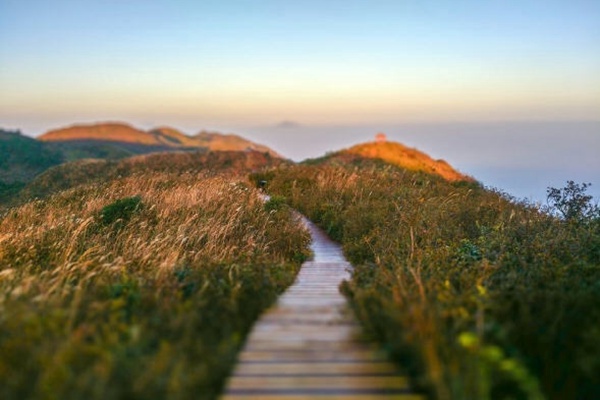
[332, 383]
[312, 368]
[310, 356]
[307, 319]
[316, 345]
[308, 331]
[267, 396]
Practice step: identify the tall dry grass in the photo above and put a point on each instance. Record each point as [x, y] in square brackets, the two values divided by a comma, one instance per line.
[69, 175]
[153, 304]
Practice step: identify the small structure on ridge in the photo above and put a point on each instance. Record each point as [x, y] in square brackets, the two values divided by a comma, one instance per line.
[380, 137]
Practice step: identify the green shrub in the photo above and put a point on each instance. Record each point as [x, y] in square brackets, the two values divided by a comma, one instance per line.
[572, 202]
[275, 203]
[120, 210]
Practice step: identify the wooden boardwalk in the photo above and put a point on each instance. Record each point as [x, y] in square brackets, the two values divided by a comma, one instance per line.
[308, 345]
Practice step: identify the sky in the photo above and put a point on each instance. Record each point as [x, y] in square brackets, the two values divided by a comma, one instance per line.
[339, 70]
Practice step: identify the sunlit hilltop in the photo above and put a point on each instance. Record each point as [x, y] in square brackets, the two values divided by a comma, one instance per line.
[161, 138]
[405, 157]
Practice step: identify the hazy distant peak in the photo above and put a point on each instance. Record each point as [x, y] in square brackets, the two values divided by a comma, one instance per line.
[409, 158]
[288, 124]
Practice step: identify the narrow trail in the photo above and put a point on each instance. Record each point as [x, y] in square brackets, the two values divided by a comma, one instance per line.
[308, 345]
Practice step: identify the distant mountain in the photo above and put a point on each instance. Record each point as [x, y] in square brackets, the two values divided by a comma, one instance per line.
[288, 125]
[109, 132]
[118, 139]
[408, 158]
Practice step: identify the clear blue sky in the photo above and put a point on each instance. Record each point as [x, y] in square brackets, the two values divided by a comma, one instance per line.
[251, 63]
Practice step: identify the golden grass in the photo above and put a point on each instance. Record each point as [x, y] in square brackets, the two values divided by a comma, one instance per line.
[409, 158]
[194, 219]
[154, 305]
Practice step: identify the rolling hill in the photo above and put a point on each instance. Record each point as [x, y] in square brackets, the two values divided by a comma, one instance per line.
[22, 158]
[396, 154]
[409, 158]
[119, 139]
[76, 173]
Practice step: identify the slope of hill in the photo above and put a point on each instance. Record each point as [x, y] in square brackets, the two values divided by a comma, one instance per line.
[131, 140]
[408, 158]
[22, 158]
[110, 132]
[82, 172]
[172, 137]
[141, 286]
[219, 142]
[461, 283]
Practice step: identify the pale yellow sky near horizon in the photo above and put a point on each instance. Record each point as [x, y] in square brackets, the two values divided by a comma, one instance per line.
[239, 63]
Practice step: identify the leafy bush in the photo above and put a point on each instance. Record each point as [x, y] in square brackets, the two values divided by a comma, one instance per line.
[572, 202]
[275, 203]
[121, 210]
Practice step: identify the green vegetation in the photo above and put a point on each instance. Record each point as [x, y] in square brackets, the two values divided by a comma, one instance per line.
[9, 191]
[121, 210]
[83, 172]
[478, 295]
[81, 150]
[21, 159]
[141, 286]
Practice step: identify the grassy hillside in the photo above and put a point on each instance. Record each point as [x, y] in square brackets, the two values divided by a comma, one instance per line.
[69, 175]
[21, 159]
[101, 150]
[395, 154]
[228, 142]
[479, 296]
[110, 132]
[140, 286]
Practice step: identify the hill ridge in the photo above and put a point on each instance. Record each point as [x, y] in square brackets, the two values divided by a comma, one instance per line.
[406, 157]
[162, 135]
